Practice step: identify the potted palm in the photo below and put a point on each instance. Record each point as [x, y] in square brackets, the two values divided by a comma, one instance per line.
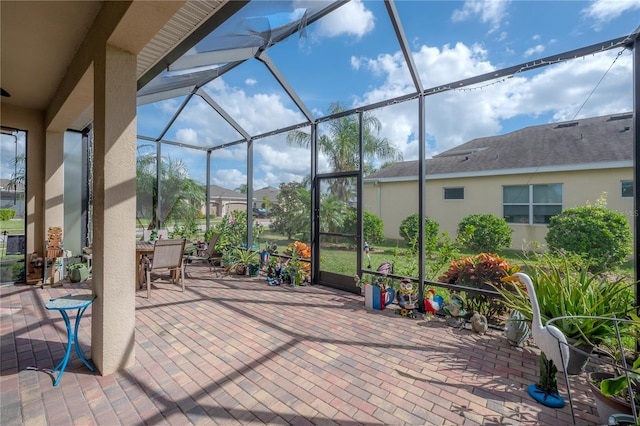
[241, 259]
[577, 299]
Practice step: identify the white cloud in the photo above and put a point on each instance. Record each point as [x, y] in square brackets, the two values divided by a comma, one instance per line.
[603, 11]
[533, 50]
[353, 19]
[458, 116]
[491, 12]
[251, 82]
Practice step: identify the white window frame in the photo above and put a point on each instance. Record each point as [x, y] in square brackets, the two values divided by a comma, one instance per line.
[531, 204]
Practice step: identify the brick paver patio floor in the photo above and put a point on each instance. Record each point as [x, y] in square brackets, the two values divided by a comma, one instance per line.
[236, 351]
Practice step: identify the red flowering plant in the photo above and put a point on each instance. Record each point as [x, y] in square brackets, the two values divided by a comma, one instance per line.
[482, 271]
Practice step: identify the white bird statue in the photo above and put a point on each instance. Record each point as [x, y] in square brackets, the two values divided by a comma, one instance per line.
[549, 339]
[553, 345]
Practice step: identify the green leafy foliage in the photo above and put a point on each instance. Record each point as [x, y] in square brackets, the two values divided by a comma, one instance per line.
[181, 197]
[291, 213]
[599, 235]
[565, 288]
[484, 233]
[7, 214]
[188, 231]
[373, 226]
[410, 228]
[618, 385]
[483, 271]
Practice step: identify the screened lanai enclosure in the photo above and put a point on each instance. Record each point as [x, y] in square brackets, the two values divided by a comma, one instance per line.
[258, 119]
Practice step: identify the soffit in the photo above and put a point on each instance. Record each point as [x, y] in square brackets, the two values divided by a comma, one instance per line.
[33, 62]
[38, 40]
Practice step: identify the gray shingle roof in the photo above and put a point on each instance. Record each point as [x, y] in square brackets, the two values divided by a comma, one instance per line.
[573, 143]
[220, 192]
[269, 191]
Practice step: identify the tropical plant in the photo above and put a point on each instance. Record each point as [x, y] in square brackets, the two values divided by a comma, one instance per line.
[181, 196]
[188, 231]
[565, 288]
[484, 233]
[600, 235]
[410, 228]
[295, 267]
[483, 271]
[239, 259]
[292, 211]
[341, 145]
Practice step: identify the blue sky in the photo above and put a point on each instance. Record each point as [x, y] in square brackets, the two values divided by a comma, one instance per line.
[352, 56]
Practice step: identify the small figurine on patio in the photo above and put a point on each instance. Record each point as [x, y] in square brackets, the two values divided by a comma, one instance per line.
[455, 311]
[406, 299]
[432, 304]
[479, 323]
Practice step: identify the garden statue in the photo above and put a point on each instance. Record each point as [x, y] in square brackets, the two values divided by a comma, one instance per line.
[455, 311]
[432, 304]
[406, 299]
[516, 329]
[479, 323]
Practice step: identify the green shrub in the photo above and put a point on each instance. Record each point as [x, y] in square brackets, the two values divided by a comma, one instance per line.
[409, 229]
[7, 214]
[373, 226]
[600, 236]
[484, 233]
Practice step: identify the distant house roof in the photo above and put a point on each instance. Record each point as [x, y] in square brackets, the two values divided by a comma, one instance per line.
[268, 191]
[600, 142]
[220, 192]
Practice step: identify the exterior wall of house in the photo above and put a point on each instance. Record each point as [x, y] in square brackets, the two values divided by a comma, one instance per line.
[484, 195]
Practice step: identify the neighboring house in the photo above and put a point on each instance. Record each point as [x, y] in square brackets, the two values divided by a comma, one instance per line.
[223, 201]
[266, 196]
[526, 176]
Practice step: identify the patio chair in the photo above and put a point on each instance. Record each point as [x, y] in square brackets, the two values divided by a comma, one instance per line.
[210, 255]
[167, 256]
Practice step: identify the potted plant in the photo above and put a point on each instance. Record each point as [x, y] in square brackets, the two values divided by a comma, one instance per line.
[612, 388]
[241, 258]
[78, 272]
[565, 289]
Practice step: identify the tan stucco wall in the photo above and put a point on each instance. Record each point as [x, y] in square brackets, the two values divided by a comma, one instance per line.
[484, 195]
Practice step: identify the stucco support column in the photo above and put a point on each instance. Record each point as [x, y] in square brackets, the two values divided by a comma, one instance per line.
[113, 319]
[54, 182]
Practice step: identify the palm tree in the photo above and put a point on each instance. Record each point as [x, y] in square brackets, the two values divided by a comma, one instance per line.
[341, 145]
[181, 196]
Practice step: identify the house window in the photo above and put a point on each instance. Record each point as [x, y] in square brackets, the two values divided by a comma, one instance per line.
[454, 193]
[531, 204]
[626, 188]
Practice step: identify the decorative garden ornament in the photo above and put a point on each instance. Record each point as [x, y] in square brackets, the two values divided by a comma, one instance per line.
[516, 330]
[553, 344]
